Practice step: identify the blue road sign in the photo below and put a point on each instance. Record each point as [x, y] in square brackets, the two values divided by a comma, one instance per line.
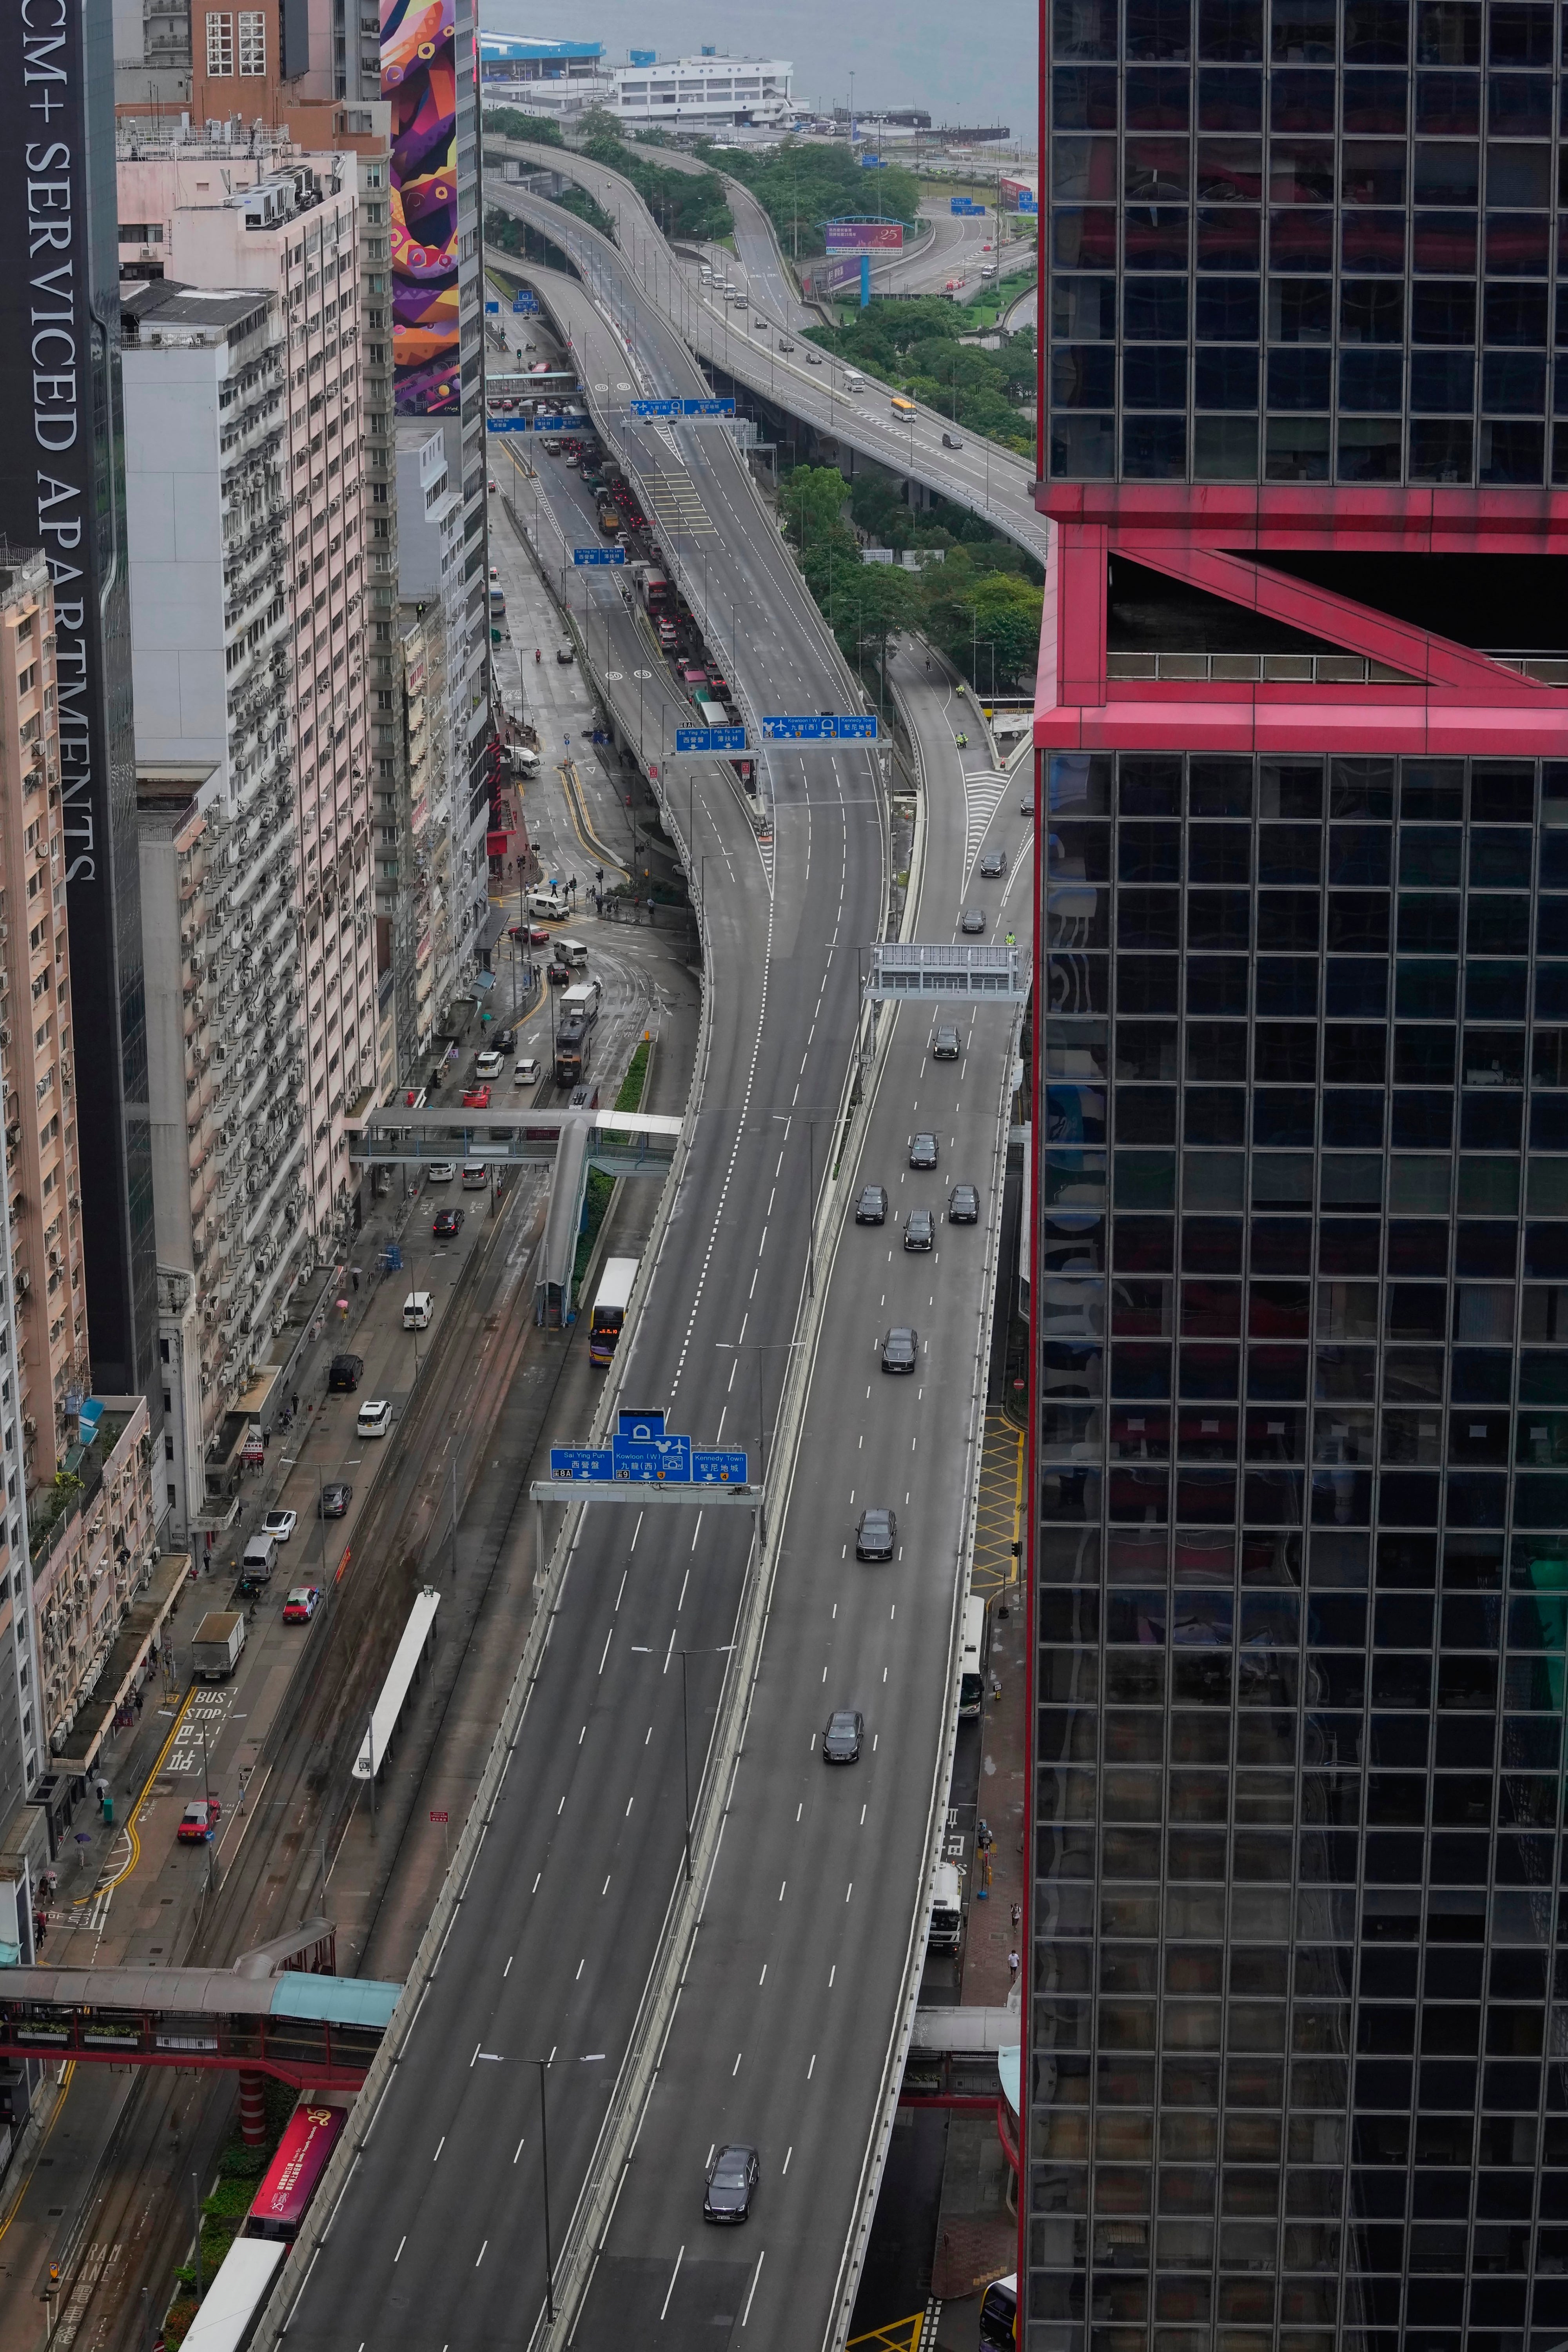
[644, 1422]
[491, 307]
[714, 1466]
[522, 301]
[683, 408]
[598, 555]
[815, 730]
[709, 738]
[581, 1462]
[656, 1458]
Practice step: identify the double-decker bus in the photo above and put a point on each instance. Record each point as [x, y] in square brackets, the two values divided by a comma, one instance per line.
[290, 2181]
[610, 1308]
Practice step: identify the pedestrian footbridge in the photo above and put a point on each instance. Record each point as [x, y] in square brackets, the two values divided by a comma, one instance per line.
[315, 2031]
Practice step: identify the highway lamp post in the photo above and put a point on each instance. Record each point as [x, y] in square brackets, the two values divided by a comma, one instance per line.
[641, 1651]
[589, 2058]
[760, 1347]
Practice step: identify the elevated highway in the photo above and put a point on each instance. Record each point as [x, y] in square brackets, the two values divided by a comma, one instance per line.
[567, 1928]
[994, 483]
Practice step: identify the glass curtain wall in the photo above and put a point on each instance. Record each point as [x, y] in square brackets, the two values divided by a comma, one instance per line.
[1301, 1968]
[1305, 241]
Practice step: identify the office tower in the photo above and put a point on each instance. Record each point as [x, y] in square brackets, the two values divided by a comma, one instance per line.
[62, 490]
[1300, 1564]
[433, 621]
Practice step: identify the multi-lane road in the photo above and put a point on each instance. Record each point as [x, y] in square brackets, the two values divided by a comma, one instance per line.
[788, 2014]
[924, 446]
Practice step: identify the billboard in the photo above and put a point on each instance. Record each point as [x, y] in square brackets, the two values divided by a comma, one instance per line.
[418, 74]
[864, 237]
[824, 276]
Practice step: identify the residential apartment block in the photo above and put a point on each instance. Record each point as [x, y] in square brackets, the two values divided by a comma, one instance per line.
[288, 226]
[1296, 1937]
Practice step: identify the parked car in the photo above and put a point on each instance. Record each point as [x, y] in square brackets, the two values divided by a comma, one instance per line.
[876, 1535]
[964, 1205]
[731, 2177]
[944, 1044]
[920, 1230]
[300, 1605]
[375, 1417]
[993, 865]
[871, 1208]
[198, 1822]
[447, 1222]
[279, 1524]
[922, 1151]
[489, 1065]
[841, 1740]
[336, 1496]
[902, 1348]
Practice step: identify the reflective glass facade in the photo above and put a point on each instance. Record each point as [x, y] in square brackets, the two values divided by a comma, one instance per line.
[1305, 241]
[1299, 1957]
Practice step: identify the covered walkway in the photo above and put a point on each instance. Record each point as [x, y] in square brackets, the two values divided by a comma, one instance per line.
[312, 2030]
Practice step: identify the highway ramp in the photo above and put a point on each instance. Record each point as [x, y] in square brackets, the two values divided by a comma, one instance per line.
[993, 482]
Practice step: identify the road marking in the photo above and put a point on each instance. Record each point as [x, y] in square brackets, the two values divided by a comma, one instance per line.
[398, 2257]
[764, 1978]
[630, 1801]
[518, 2151]
[478, 2258]
[849, 1890]
[584, 1961]
[788, 2153]
[832, 1972]
[605, 1888]
[442, 2142]
[756, 2274]
[673, 2274]
[811, 2068]
[507, 1970]
[604, 1653]
[784, 1882]
[736, 2067]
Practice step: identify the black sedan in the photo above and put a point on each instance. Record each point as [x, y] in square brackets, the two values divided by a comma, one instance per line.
[964, 1205]
[876, 1535]
[841, 1740]
[920, 1230]
[731, 2177]
[900, 1349]
[972, 919]
[944, 1044]
[871, 1208]
[922, 1151]
[447, 1222]
[336, 1496]
[993, 865]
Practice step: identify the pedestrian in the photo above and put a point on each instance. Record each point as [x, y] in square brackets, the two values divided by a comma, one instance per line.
[99, 1787]
[353, 1276]
[294, 1402]
[1012, 1966]
[40, 1929]
[1017, 1914]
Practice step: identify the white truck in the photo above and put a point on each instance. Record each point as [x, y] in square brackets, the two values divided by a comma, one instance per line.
[946, 1910]
[219, 1639]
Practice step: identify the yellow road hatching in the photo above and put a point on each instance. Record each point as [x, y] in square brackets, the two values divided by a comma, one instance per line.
[999, 1513]
[898, 2335]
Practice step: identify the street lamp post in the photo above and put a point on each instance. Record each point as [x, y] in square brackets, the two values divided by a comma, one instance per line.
[641, 1651]
[496, 2058]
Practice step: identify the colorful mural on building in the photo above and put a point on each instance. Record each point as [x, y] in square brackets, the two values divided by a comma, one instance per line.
[418, 74]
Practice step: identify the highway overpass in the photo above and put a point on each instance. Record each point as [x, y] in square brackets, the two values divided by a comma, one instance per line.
[993, 482]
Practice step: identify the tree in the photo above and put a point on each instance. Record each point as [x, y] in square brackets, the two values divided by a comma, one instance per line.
[598, 123]
[813, 500]
[507, 122]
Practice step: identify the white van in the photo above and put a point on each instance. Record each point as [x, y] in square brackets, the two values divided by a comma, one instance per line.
[416, 1311]
[571, 953]
[476, 1175]
[946, 1909]
[548, 905]
[853, 380]
[524, 760]
[260, 1556]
